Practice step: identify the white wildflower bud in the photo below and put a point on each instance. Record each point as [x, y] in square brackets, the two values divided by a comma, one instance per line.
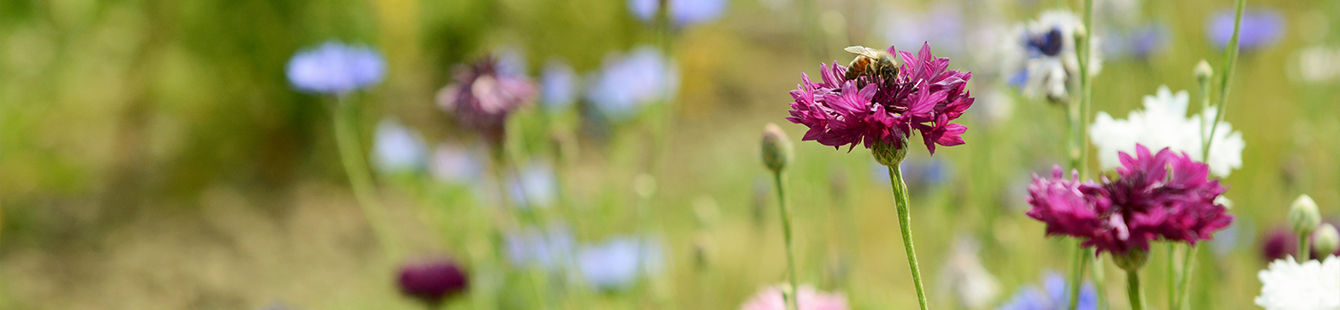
[1304, 216]
[777, 148]
[1203, 71]
[1325, 240]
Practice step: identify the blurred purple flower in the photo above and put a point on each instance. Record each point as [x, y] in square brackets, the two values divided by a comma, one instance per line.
[335, 68]
[481, 97]
[432, 281]
[682, 12]
[922, 97]
[619, 262]
[627, 83]
[1139, 43]
[1280, 242]
[558, 86]
[1156, 196]
[1261, 28]
[550, 249]
[1052, 296]
[397, 148]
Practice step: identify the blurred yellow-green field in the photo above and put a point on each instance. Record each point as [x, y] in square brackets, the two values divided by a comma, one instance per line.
[160, 155]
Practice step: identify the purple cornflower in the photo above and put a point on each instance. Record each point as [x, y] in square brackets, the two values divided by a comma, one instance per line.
[682, 12]
[432, 280]
[481, 97]
[1155, 196]
[877, 112]
[1261, 28]
[1052, 296]
[335, 68]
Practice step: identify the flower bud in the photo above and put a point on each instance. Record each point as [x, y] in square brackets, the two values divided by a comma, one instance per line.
[1325, 241]
[1132, 260]
[1203, 71]
[1304, 216]
[777, 148]
[1080, 33]
[888, 154]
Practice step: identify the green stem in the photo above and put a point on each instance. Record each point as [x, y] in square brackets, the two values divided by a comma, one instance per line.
[1230, 62]
[1076, 274]
[1184, 301]
[1133, 290]
[1171, 276]
[1303, 249]
[780, 181]
[1086, 88]
[1100, 279]
[360, 180]
[905, 226]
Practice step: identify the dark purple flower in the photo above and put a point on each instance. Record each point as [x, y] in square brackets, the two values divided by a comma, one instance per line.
[432, 281]
[1260, 28]
[869, 110]
[1279, 243]
[481, 97]
[1164, 196]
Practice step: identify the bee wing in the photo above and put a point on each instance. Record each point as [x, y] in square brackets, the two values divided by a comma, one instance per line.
[861, 50]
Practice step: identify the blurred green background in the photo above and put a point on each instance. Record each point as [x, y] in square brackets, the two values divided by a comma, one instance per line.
[154, 156]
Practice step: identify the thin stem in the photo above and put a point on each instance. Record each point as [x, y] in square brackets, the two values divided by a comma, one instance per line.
[1303, 249]
[1184, 301]
[1100, 278]
[905, 226]
[1230, 62]
[1086, 87]
[1172, 274]
[1133, 290]
[1076, 274]
[780, 179]
[360, 180]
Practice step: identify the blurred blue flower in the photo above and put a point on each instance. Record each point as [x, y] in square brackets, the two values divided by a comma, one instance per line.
[919, 173]
[397, 148]
[941, 26]
[619, 262]
[1233, 237]
[558, 85]
[335, 68]
[1052, 296]
[1261, 28]
[627, 83]
[535, 187]
[1139, 43]
[511, 62]
[682, 12]
[550, 249]
[456, 164]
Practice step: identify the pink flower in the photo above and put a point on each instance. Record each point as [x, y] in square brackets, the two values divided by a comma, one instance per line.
[1164, 196]
[924, 97]
[770, 298]
[481, 97]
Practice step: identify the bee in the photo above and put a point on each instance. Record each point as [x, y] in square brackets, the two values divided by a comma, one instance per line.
[871, 63]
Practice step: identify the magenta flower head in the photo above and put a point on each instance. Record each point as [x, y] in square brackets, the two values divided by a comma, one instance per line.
[482, 96]
[880, 111]
[1155, 196]
[432, 281]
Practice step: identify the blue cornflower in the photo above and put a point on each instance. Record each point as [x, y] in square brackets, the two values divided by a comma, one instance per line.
[456, 164]
[335, 68]
[535, 187]
[1139, 43]
[941, 24]
[558, 85]
[550, 249]
[919, 173]
[1261, 28]
[398, 148]
[619, 262]
[1052, 296]
[627, 83]
[682, 12]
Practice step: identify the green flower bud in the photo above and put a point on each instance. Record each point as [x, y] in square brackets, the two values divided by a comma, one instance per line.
[1304, 216]
[1203, 71]
[889, 155]
[1326, 240]
[1132, 260]
[777, 148]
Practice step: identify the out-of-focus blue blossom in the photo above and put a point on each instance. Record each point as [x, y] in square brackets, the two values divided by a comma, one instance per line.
[1139, 43]
[511, 62]
[1233, 237]
[397, 148]
[558, 85]
[1052, 296]
[920, 173]
[619, 262]
[682, 12]
[941, 25]
[625, 84]
[551, 249]
[335, 68]
[457, 164]
[535, 187]
[1261, 28]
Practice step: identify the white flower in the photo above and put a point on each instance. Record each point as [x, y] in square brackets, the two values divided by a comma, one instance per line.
[1312, 285]
[1163, 123]
[1044, 55]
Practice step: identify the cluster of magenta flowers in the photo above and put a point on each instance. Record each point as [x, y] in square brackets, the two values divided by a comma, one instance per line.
[1155, 196]
[869, 110]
